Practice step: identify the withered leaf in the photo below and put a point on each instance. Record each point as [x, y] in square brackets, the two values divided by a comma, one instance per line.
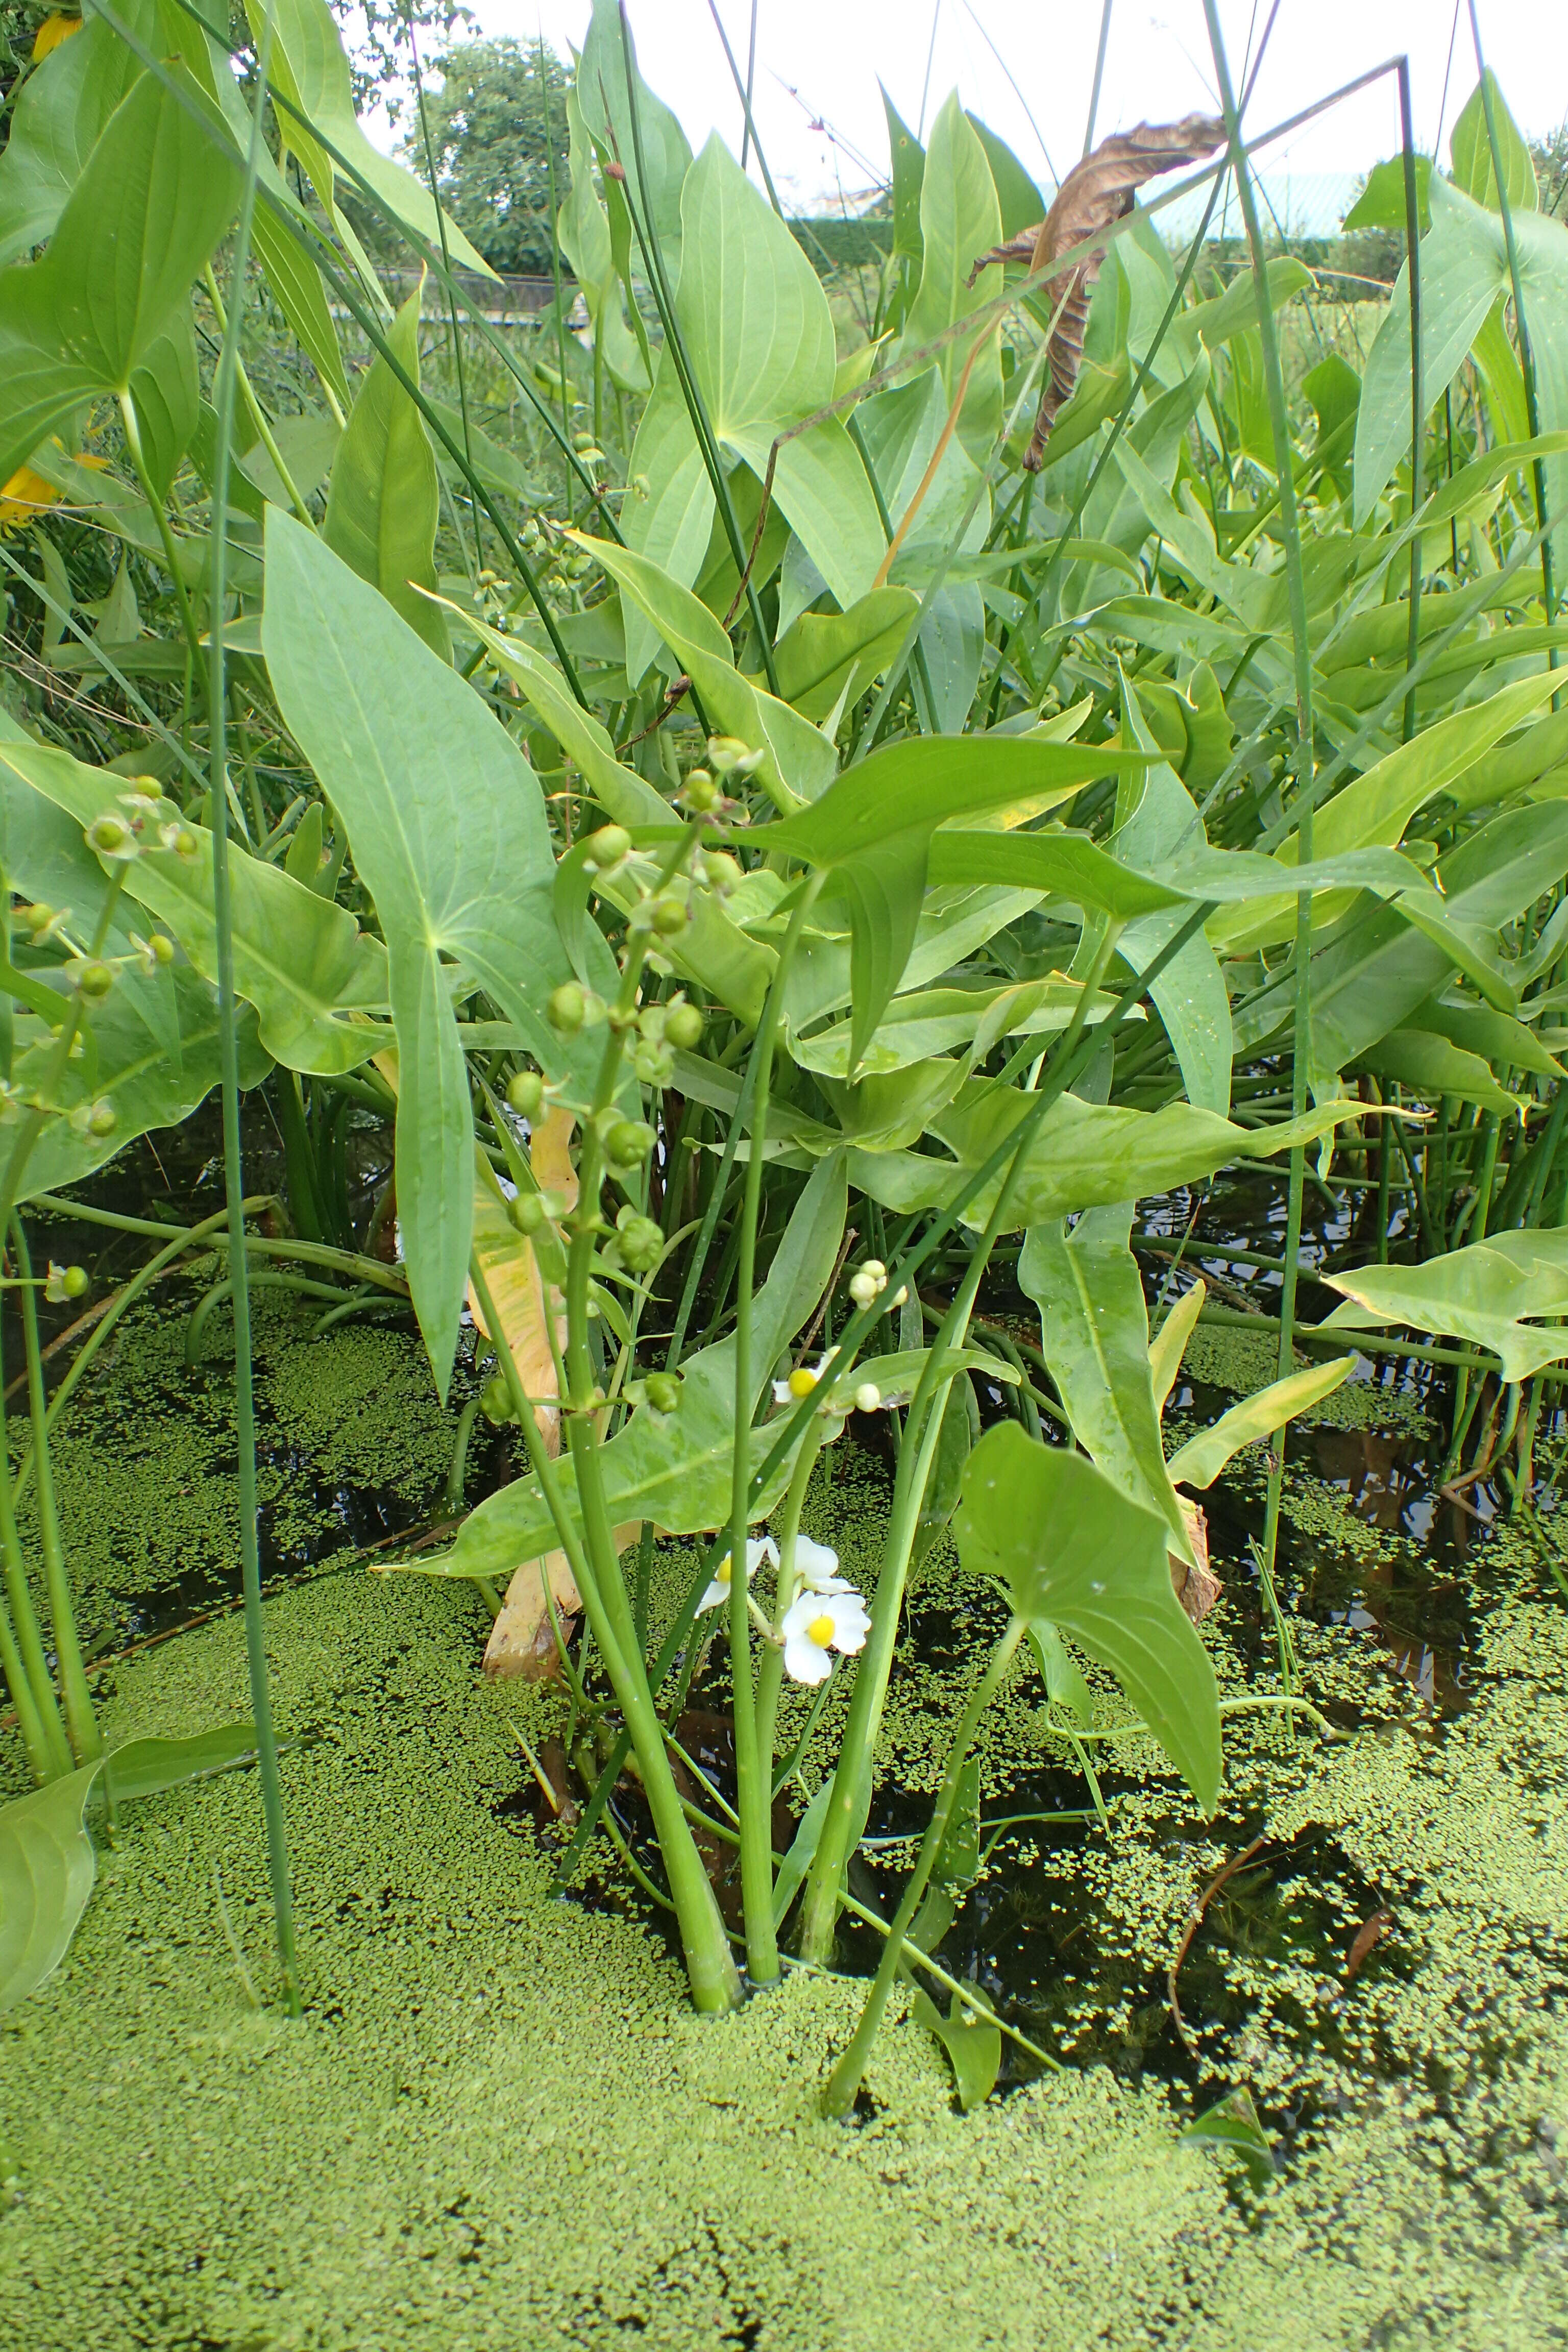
[1094, 195]
[1370, 1933]
[1198, 1588]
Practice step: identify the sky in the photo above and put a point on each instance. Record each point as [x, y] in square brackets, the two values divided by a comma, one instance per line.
[1026, 68]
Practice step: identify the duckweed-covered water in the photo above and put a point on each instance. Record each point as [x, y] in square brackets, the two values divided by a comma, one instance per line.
[500, 2125]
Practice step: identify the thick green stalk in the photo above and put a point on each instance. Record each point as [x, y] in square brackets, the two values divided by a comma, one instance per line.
[82, 1723]
[1417, 393]
[754, 1773]
[770, 1669]
[845, 2081]
[234, 1188]
[1290, 527]
[710, 1967]
[847, 1808]
[42, 1762]
[1521, 325]
[35, 1664]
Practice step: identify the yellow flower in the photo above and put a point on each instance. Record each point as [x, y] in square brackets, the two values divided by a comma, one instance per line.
[24, 498]
[52, 32]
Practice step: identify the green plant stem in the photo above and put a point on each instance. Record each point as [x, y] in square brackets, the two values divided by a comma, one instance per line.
[43, 1762]
[1289, 526]
[710, 1969]
[223, 917]
[770, 1669]
[82, 1723]
[35, 1676]
[257, 413]
[754, 1773]
[845, 2081]
[847, 1811]
[1417, 393]
[171, 551]
[1521, 325]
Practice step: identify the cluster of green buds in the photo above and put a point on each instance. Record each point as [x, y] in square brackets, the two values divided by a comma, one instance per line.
[662, 1030]
[495, 593]
[709, 791]
[590, 456]
[868, 1282]
[149, 821]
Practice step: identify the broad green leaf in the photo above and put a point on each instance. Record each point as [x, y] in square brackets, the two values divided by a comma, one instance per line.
[61, 109]
[1234, 311]
[825, 658]
[935, 1020]
[675, 1469]
[1372, 972]
[301, 960]
[1067, 865]
[385, 501]
[447, 826]
[1493, 1036]
[47, 1869]
[1094, 1334]
[145, 1767]
[1513, 766]
[799, 762]
[147, 1086]
[926, 780]
[310, 70]
[908, 162]
[1430, 1066]
[1084, 1155]
[1380, 203]
[1060, 1673]
[1201, 1460]
[972, 2042]
[1480, 1294]
[1069, 1546]
[583, 229]
[1470, 149]
[307, 445]
[1170, 1342]
[960, 220]
[1021, 203]
[601, 86]
[151, 204]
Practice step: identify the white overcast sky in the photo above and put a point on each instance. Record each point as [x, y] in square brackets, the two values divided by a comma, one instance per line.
[820, 60]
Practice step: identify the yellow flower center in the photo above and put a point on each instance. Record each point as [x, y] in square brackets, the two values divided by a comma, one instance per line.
[820, 1631]
[722, 1573]
[800, 1381]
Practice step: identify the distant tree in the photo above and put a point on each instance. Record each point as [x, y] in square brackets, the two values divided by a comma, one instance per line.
[1551, 160]
[497, 114]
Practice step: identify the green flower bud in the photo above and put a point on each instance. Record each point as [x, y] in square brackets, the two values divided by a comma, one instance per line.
[628, 1143]
[700, 792]
[527, 1212]
[94, 979]
[75, 1281]
[38, 917]
[110, 837]
[683, 1025]
[526, 1093]
[641, 1240]
[663, 1391]
[607, 846]
[495, 1402]
[720, 871]
[567, 1008]
[669, 916]
[162, 948]
[102, 1119]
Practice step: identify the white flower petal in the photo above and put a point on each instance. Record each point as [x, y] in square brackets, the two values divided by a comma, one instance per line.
[805, 1660]
[817, 1566]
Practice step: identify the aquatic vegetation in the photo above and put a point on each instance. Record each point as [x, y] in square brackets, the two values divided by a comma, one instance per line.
[724, 901]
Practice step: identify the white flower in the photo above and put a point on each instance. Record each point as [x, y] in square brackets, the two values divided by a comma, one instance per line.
[758, 1549]
[816, 1625]
[816, 1568]
[802, 1380]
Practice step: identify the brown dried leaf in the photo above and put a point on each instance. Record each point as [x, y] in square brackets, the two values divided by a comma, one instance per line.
[521, 1643]
[512, 1272]
[1369, 1934]
[1096, 193]
[1198, 1588]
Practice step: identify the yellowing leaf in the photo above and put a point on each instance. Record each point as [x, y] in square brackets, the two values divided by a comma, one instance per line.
[54, 29]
